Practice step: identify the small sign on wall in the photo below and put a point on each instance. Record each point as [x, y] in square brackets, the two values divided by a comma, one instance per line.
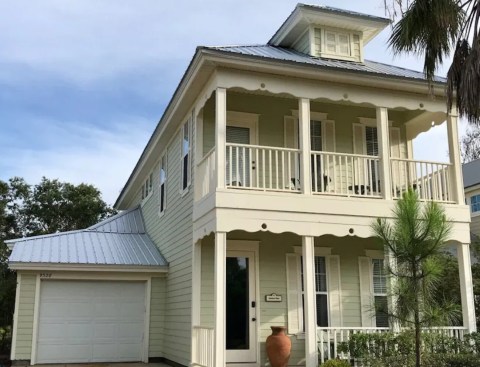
[273, 298]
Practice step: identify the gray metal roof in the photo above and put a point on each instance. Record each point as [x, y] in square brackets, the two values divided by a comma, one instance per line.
[471, 173]
[334, 10]
[120, 240]
[290, 55]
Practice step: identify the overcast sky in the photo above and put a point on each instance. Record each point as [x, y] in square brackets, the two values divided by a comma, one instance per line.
[83, 83]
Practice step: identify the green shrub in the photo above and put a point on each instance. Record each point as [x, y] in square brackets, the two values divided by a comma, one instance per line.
[5, 340]
[335, 363]
[462, 360]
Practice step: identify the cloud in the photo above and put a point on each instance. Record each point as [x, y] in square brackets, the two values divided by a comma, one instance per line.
[83, 153]
[89, 40]
[84, 82]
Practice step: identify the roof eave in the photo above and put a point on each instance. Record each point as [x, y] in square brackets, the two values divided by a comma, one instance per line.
[392, 79]
[88, 267]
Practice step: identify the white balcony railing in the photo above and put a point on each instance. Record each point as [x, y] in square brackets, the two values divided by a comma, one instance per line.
[254, 167]
[330, 338]
[431, 180]
[205, 175]
[203, 346]
[262, 168]
[345, 174]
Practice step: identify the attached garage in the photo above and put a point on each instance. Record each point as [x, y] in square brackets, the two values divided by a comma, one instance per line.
[85, 321]
[89, 296]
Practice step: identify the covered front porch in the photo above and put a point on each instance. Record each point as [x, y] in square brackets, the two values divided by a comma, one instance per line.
[322, 288]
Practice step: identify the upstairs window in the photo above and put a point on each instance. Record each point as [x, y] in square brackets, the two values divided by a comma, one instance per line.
[162, 184]
[147, 186]
[475, 203]
[185, 155]
[338, 44]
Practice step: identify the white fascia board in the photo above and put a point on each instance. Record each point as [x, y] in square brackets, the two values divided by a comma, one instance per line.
[86, 267]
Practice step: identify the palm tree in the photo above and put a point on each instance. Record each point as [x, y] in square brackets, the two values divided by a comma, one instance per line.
[437, 29]
[415, 240]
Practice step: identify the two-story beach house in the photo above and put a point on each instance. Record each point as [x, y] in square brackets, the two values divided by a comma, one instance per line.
[250, 206]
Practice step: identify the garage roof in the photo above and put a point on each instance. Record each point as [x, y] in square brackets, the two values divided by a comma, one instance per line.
[471, 173]
[118, 241]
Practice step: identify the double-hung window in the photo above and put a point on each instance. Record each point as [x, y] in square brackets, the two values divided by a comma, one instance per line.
[162, 189]
[475, 203]
[380, 292]
[321, 292]
[185, 155]
[147, 186]
[337, 43]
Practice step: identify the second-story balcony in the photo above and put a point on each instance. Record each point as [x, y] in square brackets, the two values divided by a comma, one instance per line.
[277, 163]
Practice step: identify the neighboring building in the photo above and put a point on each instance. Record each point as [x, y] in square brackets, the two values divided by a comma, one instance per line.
[258, 188]
[471, 182]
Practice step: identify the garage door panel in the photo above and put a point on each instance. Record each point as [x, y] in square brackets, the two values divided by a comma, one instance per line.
[93, 322]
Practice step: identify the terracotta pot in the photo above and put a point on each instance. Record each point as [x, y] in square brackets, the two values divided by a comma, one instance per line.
[278, 347]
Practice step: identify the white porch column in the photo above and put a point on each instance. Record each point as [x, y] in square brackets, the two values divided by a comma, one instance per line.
[309, 306]
[196, 295]
[219, 290]
[466, 286]
[304, 132]
[384, 152]
[454, 152]
[220, 134]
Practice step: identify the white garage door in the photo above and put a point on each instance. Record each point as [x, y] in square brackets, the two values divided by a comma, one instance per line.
[84, 321]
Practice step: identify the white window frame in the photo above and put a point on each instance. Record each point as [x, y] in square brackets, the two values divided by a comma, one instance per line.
[476, 204]
[147, 188]
[186, 153]
[378, 294]
[162, 181]
[376, 255]
[324, 52]
[319, 252]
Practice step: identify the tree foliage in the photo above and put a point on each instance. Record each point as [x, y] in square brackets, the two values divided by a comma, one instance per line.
[48, 207]
[470, 144]
[437, 29]
[416, 239]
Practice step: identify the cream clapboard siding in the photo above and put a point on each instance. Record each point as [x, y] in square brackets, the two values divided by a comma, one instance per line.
[172, 233]
[475, 225]
[26, 299]
[273, 251]
[207, 294]
[157, 318]
[303, 43]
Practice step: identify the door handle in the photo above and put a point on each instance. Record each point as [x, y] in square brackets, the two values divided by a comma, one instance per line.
[254, 319]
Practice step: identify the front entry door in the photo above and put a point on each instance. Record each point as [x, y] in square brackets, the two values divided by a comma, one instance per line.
[241, 328]
[239, 163]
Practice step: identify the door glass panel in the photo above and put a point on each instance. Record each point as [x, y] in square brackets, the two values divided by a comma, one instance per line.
[238, 158]
[238, 333]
